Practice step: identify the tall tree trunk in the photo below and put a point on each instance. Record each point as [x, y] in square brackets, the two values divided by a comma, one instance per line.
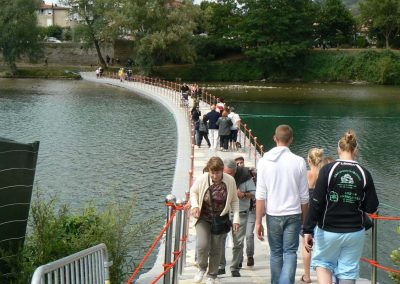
[101, 59]
[387, 42]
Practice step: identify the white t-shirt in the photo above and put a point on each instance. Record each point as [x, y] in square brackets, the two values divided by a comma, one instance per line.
[234, 118]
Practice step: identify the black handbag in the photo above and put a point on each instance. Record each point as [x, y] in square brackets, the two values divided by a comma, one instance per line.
[219, 224]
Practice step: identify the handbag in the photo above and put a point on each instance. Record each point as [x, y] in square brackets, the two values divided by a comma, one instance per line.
[367, 222]
[219, 224]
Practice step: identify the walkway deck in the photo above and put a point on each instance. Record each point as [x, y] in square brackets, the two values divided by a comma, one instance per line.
[257, 274]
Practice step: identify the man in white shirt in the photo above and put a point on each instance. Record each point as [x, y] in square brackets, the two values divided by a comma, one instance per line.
[234, 128]
[282, 194]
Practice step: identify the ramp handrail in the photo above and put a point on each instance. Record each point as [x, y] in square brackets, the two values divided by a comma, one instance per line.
[87, 266]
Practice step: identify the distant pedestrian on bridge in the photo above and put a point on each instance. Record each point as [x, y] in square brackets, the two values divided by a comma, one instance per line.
[212, 194]
[343, 192]
[282, 194]
[212, 118]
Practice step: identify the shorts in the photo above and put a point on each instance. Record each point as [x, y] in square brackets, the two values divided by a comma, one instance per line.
[233, 136]
[338, 252]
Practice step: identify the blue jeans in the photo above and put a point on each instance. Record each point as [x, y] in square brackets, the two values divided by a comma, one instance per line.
[283, 239]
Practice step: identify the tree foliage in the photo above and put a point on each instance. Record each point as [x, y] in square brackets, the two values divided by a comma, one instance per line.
[382, 16]
[19, 31]
[276, 32]
[161, 32]
[334, 24]
[99, 22]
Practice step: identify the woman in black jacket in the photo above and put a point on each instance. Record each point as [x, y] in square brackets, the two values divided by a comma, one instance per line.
[343, 192]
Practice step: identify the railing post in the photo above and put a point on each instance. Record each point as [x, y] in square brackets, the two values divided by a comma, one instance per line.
[244, 136]
[182, 262]
[374, 249]
[255, 151]
[250, 144]
[169, 202]
[177, 245]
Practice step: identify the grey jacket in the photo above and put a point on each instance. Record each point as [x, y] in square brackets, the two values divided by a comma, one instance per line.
[224, 124]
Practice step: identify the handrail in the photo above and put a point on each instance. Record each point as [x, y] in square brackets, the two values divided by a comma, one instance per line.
[80, 266]
[255, 148]
[374, 261]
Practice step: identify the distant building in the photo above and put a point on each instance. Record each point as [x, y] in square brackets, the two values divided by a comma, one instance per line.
[52, 14]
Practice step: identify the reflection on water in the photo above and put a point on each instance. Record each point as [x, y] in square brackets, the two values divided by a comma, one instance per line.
[94, 139]
[319, 115]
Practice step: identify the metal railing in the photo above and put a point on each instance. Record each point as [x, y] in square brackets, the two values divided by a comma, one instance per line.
[89, 266]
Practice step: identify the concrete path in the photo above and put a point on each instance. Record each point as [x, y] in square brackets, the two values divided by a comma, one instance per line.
[260, 273]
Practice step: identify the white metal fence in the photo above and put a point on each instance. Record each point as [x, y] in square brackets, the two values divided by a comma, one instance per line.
[90, 266]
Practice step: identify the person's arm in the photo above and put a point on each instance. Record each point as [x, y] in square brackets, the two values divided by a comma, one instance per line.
[261, 196]
[194, 199]
[318, 202]
[371, 202]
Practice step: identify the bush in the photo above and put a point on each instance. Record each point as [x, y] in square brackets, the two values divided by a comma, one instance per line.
[362, 42]
[56, 233]
[213, 48]
[54, 31]
[395, 256]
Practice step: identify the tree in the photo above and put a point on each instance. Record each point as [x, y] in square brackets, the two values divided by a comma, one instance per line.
[161, 31]
[98, 22]
[382, 15]
[334, 24]
[276, 32]
[19, 31]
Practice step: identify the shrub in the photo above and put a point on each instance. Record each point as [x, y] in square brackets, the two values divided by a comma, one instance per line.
[54, 31]
[395, 256]
[55, 232]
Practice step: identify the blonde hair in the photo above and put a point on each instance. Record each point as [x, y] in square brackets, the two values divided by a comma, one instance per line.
[316, 156]
[284, 133]
[215, 164]
[224, 113]
[348, 142]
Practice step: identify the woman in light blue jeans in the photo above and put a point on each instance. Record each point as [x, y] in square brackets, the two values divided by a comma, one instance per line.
[343, 192]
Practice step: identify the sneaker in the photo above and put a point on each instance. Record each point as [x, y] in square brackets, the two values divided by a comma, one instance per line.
[211, 280]
[250, 261]
[221, 271]
[199, 276]
[235, 273]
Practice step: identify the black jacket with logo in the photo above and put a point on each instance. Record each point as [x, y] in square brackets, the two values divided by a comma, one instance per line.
[343, 192]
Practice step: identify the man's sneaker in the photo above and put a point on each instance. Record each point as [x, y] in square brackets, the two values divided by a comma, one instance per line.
[211, 280]
[221, 271]
[250, 261]
[235, 273]
[199, 276]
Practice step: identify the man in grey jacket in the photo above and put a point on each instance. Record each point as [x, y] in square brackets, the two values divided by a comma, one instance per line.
[245, 191]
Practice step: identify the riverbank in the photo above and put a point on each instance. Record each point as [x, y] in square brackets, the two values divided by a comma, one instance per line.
[366, 66]
[372, 66]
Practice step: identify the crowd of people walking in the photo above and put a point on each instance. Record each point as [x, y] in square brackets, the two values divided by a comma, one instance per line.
[283, 202]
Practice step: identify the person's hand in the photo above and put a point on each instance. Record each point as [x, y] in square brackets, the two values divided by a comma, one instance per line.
[196, 212]
[260, 232]
[235, 227]
[240, 194]
[308, 242]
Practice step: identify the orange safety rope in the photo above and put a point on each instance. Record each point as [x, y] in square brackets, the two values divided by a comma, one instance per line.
[172, 264]
[153, 246]
[378, 217]
[375, 263]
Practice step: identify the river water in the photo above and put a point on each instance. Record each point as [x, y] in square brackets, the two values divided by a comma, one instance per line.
[96, 142]
[96, 139]
[319, 115]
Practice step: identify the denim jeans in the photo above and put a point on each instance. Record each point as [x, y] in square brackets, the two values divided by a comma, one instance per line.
[283, 238]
